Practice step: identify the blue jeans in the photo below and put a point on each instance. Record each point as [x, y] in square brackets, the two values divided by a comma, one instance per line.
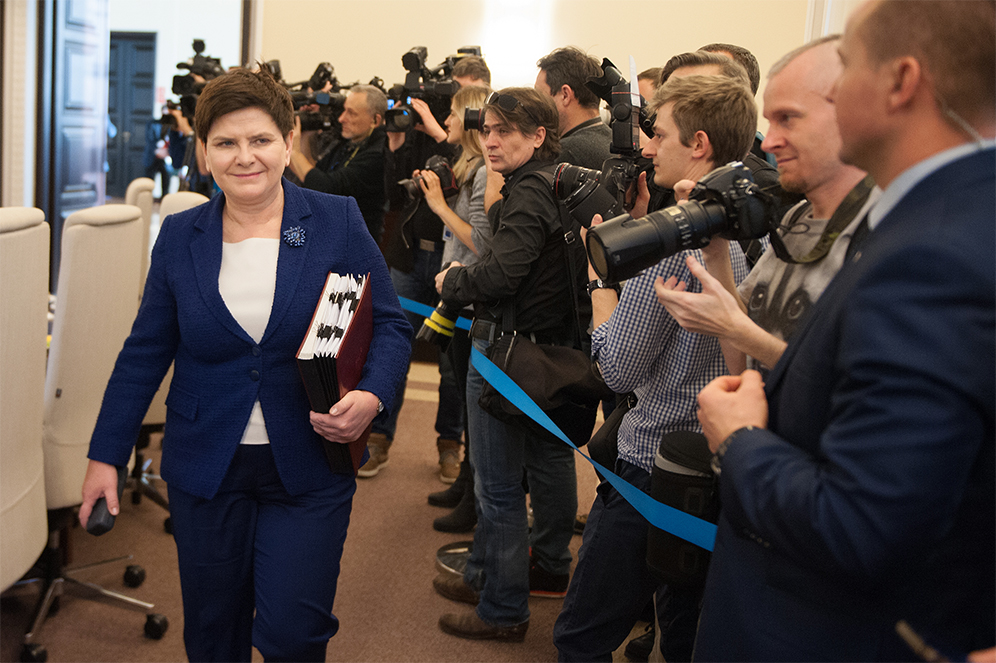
[499, 564]
[612, 583]
[420, 285]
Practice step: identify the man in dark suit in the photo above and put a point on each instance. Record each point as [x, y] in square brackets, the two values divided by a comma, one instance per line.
[857, 484]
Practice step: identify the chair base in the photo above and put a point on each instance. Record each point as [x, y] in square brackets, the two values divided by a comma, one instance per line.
[55, 579]
[142, 476]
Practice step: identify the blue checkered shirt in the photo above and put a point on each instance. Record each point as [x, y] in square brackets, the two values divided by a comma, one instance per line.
[642, 349]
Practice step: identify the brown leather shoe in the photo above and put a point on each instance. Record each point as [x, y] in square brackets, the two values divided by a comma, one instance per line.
[472, 627]
[454, 588]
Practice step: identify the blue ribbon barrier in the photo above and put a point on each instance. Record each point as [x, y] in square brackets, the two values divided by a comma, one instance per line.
[425, 311]
[674, 521]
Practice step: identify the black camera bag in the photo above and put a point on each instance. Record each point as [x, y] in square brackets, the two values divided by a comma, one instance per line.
[682, 478]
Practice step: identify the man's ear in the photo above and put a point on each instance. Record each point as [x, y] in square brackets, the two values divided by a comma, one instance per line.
[906, 79]
[566, 96]
[701, 145]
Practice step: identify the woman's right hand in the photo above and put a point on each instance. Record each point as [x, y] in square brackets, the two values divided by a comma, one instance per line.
[101, 481]
[433, 191]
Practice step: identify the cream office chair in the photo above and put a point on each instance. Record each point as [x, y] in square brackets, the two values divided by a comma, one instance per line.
[139, 194]
[98, 300]
[24, 241]
[142, 474]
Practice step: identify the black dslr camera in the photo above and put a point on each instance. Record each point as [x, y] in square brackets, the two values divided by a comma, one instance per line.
[441, 167]
[433, 85]
[587, 192]
[186, 86]
[726, 202]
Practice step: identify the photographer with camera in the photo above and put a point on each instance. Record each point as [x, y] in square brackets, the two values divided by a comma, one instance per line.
[814, 234]
[355, 167]
[414, 247]
[701, 122]
[524, 275]
[468, 235]
[584, 138]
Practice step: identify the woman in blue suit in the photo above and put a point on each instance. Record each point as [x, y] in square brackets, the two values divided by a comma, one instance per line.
[258, 517]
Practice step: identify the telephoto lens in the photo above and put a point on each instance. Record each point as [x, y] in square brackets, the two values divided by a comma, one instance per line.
[439, 327]
[726, 202]
[584, 193]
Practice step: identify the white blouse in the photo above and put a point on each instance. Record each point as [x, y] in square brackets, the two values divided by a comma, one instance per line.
[247, 281]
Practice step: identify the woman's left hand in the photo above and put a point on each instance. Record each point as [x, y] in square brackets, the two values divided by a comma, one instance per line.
[429, 124]
[348, 418]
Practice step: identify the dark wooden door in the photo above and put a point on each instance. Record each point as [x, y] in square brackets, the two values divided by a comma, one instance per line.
[72, 122]
[130, 78]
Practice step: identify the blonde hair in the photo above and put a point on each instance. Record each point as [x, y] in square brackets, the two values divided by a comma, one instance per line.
[469, 96]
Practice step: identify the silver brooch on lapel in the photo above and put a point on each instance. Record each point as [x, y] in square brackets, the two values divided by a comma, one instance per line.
[294, 236]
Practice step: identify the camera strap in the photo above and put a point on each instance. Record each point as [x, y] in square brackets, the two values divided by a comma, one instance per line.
[841, 218]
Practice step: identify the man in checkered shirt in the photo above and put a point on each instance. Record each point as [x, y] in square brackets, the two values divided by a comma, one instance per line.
[701, 122]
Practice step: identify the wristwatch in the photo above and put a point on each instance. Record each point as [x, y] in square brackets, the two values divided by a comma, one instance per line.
[717, 457]
[599, 284]
[380, 406]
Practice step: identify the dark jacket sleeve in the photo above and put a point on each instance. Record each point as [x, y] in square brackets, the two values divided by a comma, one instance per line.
[522, 232]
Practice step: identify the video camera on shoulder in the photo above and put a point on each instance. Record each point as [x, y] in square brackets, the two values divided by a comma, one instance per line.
[726, 202]
[187, 87]
[312, 92]
[587, 192]
[435, 86]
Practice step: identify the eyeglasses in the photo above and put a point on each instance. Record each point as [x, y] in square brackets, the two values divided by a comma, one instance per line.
[508, 103]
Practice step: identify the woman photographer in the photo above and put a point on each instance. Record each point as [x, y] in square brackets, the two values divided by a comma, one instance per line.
[467, 234]
[259, 518]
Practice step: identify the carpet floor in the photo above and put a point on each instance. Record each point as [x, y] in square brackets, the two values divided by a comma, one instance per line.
[387, 608]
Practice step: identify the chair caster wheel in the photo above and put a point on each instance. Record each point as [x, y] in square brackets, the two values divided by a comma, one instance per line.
[168, 525]
[156, 626]
[34, 653]
[134, 575]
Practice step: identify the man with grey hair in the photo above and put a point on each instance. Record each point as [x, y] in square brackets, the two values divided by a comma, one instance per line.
[354, 167]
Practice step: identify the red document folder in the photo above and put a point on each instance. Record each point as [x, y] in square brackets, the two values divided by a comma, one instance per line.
[327, 377]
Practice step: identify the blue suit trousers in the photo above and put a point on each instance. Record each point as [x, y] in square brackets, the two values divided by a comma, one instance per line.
[258, 567]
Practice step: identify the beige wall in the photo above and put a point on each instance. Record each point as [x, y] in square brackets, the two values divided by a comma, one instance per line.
[366, 39]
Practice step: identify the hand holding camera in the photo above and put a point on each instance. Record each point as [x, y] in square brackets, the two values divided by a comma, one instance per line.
[429, 124]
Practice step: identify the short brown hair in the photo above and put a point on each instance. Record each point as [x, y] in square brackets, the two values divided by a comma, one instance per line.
[534, 110]
[572, 67]
[954, 41]
[653, 75]
[472, 66]
[240, 89]
[727, 67]
[722, 107]
[743, 57]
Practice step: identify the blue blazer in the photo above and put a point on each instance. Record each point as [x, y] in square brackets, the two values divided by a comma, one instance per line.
[870, 498]
[219, 371]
